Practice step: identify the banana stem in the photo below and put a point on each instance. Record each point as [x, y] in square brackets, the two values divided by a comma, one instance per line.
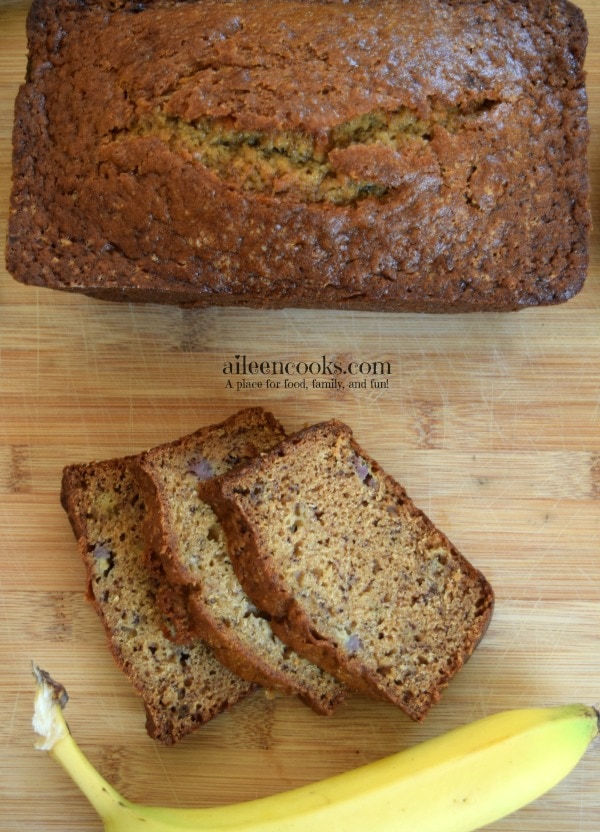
[55, 737]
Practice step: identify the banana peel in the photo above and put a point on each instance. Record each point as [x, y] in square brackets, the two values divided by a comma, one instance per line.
[458, 782]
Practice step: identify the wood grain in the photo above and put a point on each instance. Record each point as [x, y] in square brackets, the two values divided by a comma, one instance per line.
[492, 422]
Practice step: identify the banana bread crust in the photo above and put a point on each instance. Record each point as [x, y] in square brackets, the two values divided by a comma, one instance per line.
[308, 154]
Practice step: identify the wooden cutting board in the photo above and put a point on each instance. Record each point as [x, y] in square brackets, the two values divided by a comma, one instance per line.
[492, 423]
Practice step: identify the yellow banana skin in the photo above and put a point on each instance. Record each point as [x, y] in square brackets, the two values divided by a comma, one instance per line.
[458, 782]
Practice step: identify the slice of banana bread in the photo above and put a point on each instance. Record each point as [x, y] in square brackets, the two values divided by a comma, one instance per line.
[181, 687]
[200, 594]
[354, 576]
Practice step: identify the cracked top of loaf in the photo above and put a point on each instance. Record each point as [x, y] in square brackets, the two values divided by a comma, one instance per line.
[424, 155]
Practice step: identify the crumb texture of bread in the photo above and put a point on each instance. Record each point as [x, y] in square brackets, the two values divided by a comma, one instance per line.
[199, 593]
[182, 687]
[353, 575]
[304, 153]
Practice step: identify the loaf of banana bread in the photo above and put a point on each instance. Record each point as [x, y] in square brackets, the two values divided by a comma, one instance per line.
[351, 573]
[420, 155]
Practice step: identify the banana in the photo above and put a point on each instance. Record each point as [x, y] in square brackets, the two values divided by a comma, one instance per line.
[457, 782]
